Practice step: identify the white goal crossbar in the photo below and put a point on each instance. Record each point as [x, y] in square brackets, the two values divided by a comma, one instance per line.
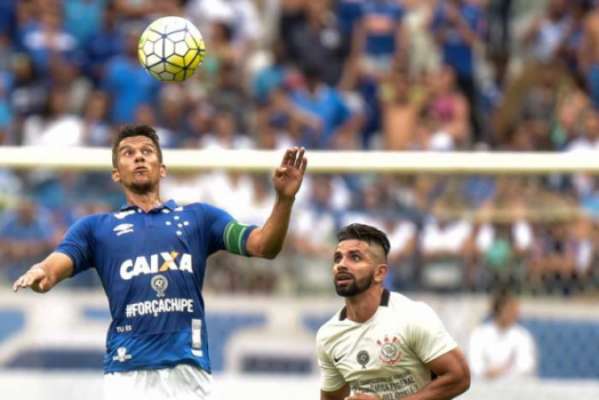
[83, 158]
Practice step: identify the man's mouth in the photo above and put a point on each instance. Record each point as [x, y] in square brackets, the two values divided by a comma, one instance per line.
[343, 278]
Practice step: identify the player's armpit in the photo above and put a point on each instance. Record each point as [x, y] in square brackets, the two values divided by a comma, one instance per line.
[452, 377]
[339, 394]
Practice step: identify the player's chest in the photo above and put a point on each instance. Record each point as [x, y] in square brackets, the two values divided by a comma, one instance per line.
[374, 348]
[138, 231]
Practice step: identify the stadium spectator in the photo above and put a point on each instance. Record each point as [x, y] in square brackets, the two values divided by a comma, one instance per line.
[314, 97]
[126, 82]
[104, 44]
[26, 234]
[47, 40]
[312, 234]
[319, 37]
[501, 348]
[446, 247]
[459, 26]
[56, 126]
[589, 54]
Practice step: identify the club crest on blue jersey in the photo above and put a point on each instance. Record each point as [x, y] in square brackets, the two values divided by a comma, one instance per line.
[159, 284]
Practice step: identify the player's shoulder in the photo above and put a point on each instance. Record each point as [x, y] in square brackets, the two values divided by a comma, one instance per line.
[331, 327]
[414, 310]
[94, 219]
[521, 331]
[403, 303]
[201, 208]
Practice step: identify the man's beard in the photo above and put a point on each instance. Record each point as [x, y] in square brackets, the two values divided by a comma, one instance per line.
[355, 288]
[141, 188]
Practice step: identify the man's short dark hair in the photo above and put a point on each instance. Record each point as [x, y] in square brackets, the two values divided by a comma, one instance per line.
[135, 130]
[365, 233]
[501, 298]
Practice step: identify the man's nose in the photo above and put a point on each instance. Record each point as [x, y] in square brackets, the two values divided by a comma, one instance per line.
[339, 267]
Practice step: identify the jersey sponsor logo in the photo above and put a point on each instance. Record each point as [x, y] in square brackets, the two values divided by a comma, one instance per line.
[363, 358]
[155, 263]
[157, 307]
[390, 352]
[337, 359]
[121, 229]
[121, 355]
[123, 214]
[393, 387]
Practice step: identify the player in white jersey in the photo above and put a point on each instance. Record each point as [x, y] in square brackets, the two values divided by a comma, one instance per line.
[382, 345]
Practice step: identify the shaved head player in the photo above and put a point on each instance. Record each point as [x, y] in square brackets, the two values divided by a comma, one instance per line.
[382, 345]
[151, 258]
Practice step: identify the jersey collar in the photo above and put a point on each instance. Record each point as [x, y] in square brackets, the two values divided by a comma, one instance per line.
[170, 204]
[384, 302]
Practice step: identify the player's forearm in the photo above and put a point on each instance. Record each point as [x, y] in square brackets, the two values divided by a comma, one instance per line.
[444, 387]
[268, 240]
[58, 267]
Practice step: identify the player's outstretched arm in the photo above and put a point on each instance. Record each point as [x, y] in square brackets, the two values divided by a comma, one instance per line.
[267, 240]
[43, 276]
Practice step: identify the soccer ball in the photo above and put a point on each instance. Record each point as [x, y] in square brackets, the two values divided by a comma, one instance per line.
[171, 48]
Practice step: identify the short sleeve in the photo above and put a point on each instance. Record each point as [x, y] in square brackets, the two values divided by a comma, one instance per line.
[223, 232]
[330, 378]
[77, 244]
[428, 337]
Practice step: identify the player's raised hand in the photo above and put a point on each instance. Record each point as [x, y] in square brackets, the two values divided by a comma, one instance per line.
[287, 179]
[36, 278]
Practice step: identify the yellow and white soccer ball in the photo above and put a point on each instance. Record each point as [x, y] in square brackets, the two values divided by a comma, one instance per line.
[171, 49]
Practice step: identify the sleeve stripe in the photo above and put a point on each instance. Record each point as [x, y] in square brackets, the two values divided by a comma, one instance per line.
[240, 240]
[227, 234]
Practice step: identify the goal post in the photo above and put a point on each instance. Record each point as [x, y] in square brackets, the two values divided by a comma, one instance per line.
[409, 162]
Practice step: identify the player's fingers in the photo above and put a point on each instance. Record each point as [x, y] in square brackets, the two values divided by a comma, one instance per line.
[43, 284]
[27, 281]
[293, 155]
[287, 157]
[299, 158]
[17, 285]
[304, 165]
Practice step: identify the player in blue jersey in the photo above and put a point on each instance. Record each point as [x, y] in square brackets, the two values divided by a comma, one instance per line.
[151, 258]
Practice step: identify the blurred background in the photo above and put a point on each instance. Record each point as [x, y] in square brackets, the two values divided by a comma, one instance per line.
[420, 75]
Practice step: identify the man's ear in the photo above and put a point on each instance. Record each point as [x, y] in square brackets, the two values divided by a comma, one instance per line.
[116, 177]
[380, 273]
[162, 170]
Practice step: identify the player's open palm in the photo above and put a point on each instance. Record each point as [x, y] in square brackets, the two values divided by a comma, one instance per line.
[36, 278]
[288, 177]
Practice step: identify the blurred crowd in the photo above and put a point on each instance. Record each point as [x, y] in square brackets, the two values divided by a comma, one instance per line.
[438, 75]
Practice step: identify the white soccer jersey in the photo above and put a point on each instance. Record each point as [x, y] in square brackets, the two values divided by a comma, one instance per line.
[385, 355]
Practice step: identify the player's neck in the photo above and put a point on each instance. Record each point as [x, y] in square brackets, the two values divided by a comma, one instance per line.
[146, 201]
[362, 307]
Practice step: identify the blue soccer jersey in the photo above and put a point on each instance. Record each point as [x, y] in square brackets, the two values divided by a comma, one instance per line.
[152, 268]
